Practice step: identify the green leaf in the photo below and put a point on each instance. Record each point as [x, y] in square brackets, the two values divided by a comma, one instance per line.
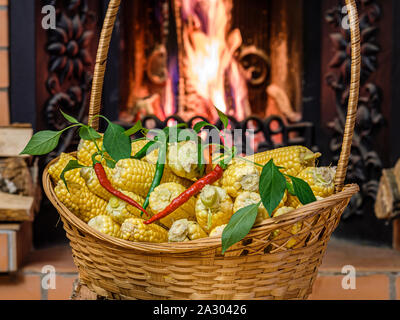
[136, 128]
[42, 142]
[223, 117]
[88, 133]
[110, 163]
[239, 225]
[72, 164]
[116, 143]
[200, 125]
[302, 190]
[272, 186]
[69, 118]
[290, 189]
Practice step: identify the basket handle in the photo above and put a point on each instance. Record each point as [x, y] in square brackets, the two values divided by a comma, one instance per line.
[101, 62]
[353, 96]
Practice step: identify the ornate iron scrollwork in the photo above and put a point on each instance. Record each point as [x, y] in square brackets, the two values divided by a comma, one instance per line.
[69, 70]
[365, 165]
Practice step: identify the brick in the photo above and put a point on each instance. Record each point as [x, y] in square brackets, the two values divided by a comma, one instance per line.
[4, 77]
[3, 2]
[364, 258]
[60, 257]
[373, 287]
[63, 288]
[20, 287]
[4, 28]
[4, 109]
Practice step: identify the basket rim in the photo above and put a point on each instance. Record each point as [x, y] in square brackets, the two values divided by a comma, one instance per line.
[209, 243]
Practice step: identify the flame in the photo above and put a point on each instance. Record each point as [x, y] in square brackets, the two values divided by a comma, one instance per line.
[209, 51]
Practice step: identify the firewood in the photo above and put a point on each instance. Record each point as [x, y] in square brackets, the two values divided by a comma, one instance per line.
[387, 204]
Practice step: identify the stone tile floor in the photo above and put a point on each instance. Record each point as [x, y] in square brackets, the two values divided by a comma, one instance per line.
[377, 274]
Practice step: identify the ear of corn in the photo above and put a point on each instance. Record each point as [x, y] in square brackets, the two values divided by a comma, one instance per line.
[133, 229]
[213, 208]
[56, 168]
[136, 176]
[152, 153]
[80, 200]
[247, 198]
[293, 159]
[163, 195]
[295, 228]
[119, 210]
[182, 159]
[240, 176]
[92, 182]
[86, 149]
[185, 230]
[321, 181]
[105, 224]
[217, 231]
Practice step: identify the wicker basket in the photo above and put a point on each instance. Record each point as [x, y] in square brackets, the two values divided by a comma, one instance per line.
[255, 268]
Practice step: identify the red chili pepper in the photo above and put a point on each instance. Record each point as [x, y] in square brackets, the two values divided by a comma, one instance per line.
[106, 184]
[191, 191]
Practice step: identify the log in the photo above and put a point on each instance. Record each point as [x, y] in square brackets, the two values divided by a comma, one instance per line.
[16, 207]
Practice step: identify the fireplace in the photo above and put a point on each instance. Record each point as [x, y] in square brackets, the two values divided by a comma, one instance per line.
[276, 66]
[186, 56]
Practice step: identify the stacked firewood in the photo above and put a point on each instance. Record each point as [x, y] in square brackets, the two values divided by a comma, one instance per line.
[387, 205]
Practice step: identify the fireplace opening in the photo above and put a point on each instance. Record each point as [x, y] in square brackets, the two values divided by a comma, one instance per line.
[182, 57]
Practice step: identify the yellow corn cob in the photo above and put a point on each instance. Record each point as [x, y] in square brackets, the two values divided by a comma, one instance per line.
[86, 149]
[92, 182]
[213, 208]
[80, 200]
[321, 181]
[185, 230]
[136, 176]
[293, 159]
[240, 176]
[56, 169]
[247, 198]
[119, 210]
[217, 231]
[105, 224]
[163, 195]
[152, 154]
[182, 159]
[133, 229]
[295, 228]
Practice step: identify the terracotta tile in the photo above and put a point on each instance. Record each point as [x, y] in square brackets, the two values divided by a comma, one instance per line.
[59, 257]
[63, 288]
[20, 287]
[4, 109]
[4, 252]
[373, 287]
[4, 78]
[3, 28]
[364, 258]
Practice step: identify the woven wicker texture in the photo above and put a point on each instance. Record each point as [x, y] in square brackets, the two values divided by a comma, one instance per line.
[269, 263]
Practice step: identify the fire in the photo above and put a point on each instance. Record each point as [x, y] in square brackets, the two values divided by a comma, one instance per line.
[208, 57]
